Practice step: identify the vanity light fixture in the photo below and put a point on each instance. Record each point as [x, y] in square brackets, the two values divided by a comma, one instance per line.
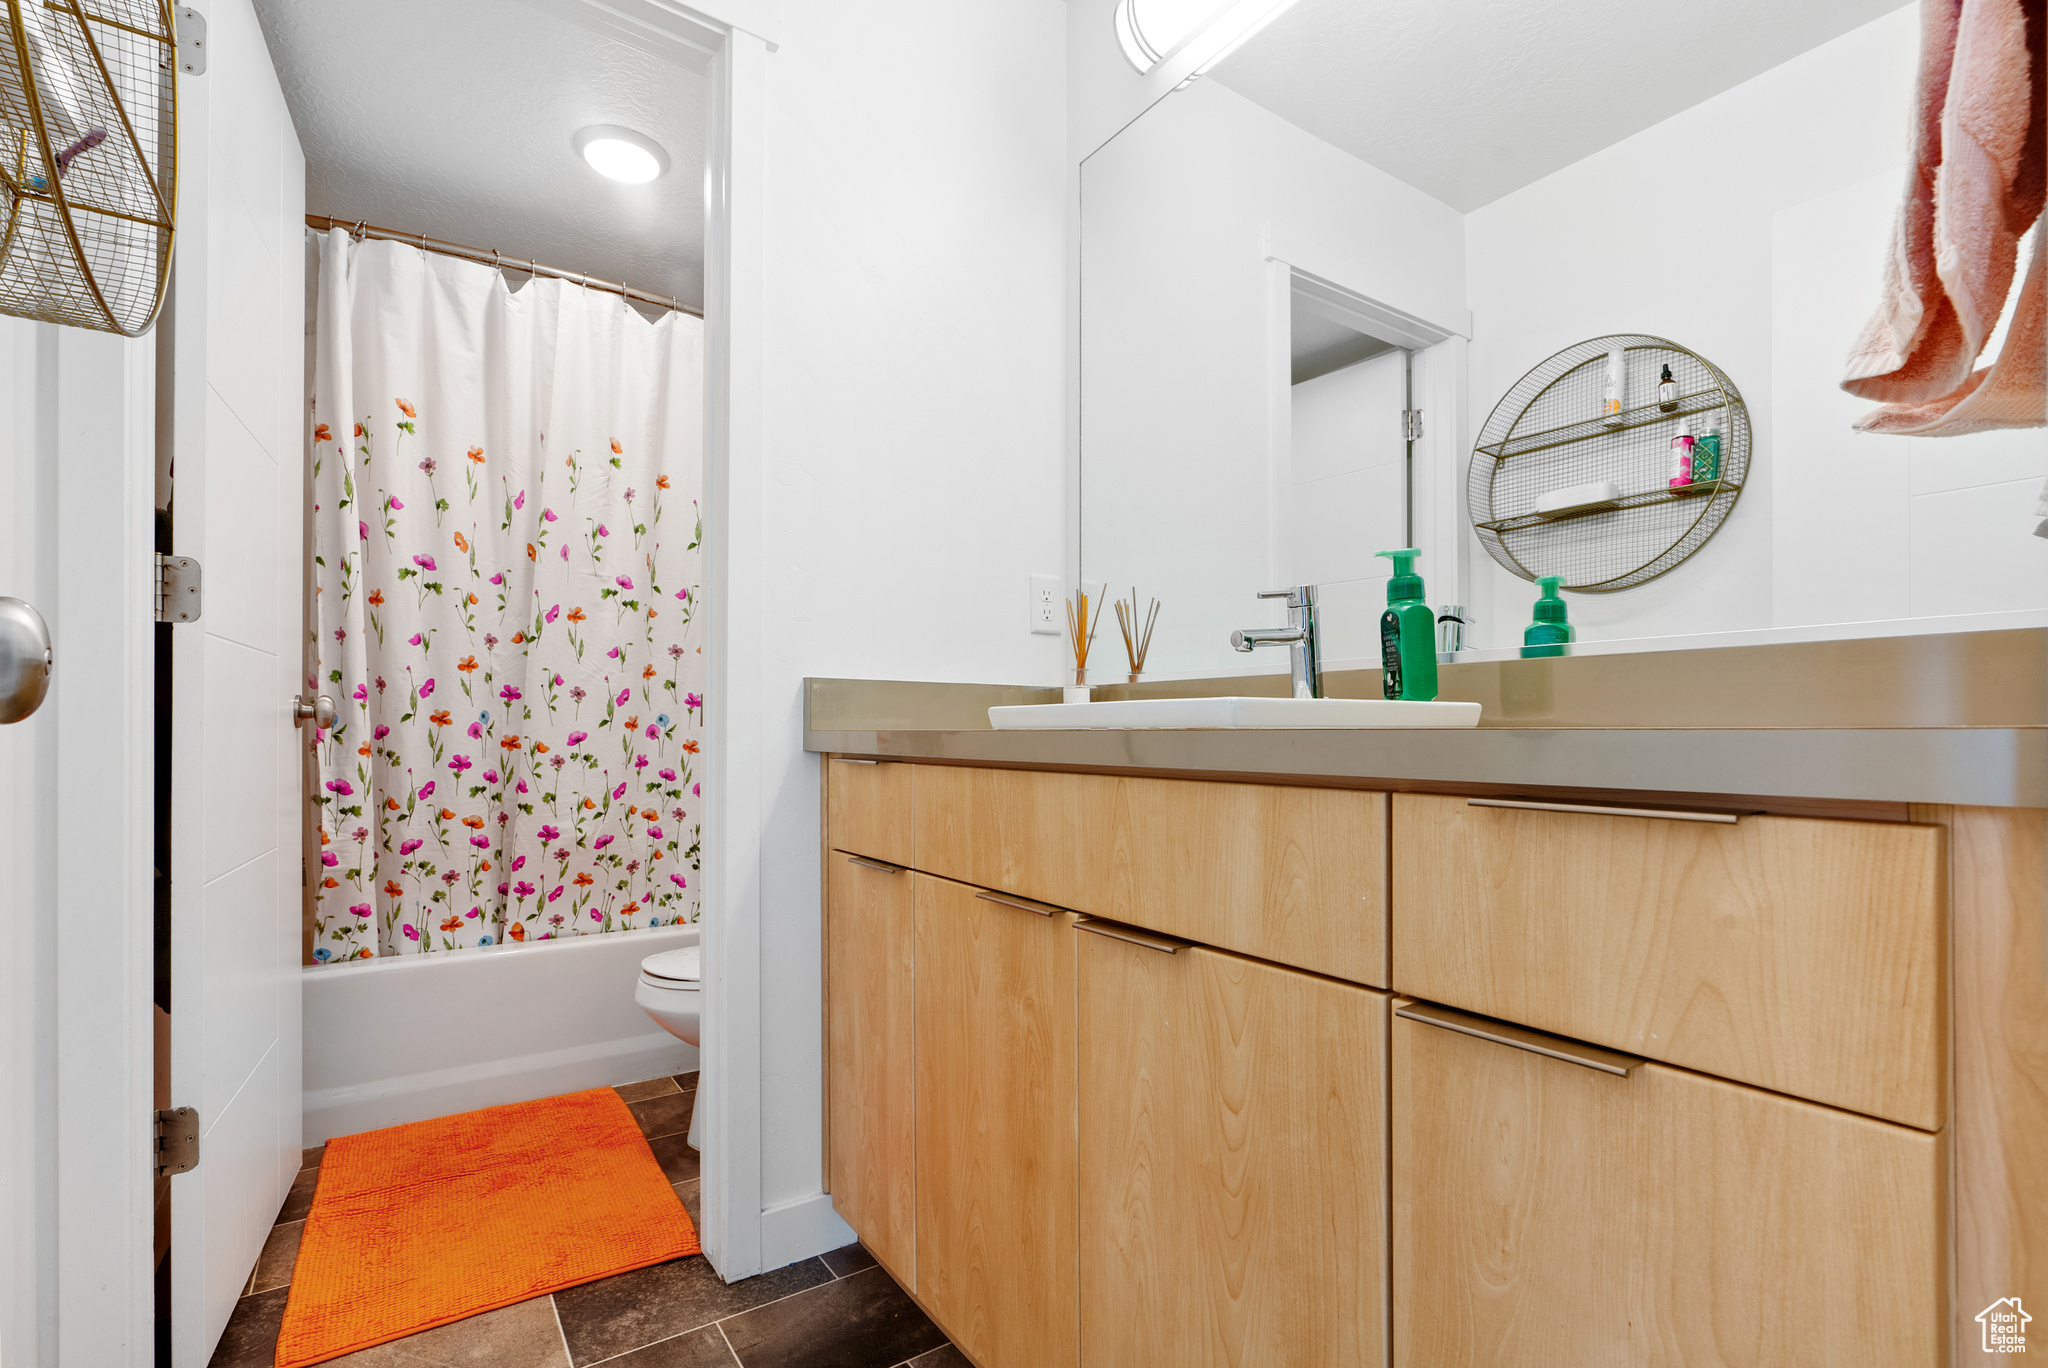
[621, 154]
[1200, 33]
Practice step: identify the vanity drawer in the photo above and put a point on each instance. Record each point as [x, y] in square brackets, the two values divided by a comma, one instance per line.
[1293, 875]
[867, 808]
[1582, 1207]
[1801, 955]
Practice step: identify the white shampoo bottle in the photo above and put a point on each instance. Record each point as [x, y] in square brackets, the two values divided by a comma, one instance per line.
[1614, 389]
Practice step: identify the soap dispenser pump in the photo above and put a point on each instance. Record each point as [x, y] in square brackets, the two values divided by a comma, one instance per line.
[1549, 633]
[1407, 634]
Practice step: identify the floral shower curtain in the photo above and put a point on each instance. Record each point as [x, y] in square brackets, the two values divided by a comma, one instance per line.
[506, 568]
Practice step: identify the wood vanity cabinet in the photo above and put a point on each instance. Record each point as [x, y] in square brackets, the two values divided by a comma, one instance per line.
[867, 808]
[1548, 1213]
[868, 950]
[1233, 1161]
[994, 1050]
[1802, 955]
[1291, 874]
[1076, 1149]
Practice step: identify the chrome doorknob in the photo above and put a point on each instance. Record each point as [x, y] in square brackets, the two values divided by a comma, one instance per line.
[25, 660]
[318, 711]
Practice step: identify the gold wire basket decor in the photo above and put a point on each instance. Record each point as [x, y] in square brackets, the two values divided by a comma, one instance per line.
[1549, 434]
[88, 161]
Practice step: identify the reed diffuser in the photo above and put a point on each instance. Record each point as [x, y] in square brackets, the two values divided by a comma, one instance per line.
[1081, 634]
[1137, 640]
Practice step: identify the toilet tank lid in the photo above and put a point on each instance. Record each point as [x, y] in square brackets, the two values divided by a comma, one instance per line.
[673, 964]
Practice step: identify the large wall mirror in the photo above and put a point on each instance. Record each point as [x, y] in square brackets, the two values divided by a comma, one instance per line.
[1366, 212]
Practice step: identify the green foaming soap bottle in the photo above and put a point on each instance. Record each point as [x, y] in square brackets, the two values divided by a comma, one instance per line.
[1549, 634]
[1407, 634]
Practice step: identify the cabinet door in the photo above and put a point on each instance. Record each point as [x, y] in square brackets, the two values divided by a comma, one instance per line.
[1295, 875]
[995, 1126]
[1233, 1162]
[867, 808]
[868, 1012]
[1801, 955]
[1547, 1213]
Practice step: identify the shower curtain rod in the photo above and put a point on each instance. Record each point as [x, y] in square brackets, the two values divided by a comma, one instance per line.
[361, 230]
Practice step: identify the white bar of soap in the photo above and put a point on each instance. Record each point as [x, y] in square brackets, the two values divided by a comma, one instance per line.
[1577, 496]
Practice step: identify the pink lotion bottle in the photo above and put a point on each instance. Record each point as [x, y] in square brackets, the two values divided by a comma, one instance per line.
[1681, 455]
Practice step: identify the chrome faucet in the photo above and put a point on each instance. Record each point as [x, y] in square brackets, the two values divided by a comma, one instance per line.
[1300, 636]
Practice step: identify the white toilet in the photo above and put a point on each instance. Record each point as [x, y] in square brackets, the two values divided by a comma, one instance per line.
[669, 991]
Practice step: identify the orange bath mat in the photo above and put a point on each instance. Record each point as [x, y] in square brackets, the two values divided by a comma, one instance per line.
[420, 1225]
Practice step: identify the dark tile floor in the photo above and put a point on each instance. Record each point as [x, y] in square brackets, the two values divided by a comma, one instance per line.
[841, 1310]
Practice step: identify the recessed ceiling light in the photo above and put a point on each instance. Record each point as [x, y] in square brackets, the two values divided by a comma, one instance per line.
[621, 154]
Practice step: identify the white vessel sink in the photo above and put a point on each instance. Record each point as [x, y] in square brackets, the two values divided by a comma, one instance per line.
[1164, 714]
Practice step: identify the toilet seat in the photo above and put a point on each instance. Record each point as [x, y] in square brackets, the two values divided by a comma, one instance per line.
[672, 968]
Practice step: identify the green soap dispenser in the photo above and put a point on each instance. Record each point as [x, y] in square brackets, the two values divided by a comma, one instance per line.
[1407, 634]
[1549, 634]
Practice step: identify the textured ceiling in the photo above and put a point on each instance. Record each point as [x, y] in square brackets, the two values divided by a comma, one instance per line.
[453, 118]
[1469, 99]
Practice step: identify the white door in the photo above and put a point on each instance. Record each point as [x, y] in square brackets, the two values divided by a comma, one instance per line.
[238, 492]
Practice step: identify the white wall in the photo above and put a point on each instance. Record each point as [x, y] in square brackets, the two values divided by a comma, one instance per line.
[1191, 218]
[912, 478]
[1750, 228]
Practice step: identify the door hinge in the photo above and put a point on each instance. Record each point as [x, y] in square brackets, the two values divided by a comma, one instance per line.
[177, 1141]
[1411, 425]
[177, 588]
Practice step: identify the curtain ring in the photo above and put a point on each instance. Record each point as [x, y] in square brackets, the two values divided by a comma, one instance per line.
[361, 230]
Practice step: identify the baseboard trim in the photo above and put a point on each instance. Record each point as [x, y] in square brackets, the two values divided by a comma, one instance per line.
[801, 1229]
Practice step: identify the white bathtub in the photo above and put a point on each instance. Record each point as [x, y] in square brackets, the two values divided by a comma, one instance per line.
[409, 1037]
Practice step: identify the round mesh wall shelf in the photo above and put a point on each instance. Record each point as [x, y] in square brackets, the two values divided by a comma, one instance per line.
[88, 158]
[1548, 435]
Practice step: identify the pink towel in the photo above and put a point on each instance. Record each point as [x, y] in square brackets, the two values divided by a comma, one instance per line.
[1887, 363]
[2012, 392]
[1977, 181]
[1992, 177]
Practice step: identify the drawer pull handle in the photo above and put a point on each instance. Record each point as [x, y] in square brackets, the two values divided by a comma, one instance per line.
[852, 760]
[1672, 814]
[1521, 1038]
[885, 867]
[1124, 933]
[1021, 904]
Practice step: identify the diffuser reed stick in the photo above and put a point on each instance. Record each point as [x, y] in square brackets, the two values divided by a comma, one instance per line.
[1137, 640]
[1081, 633]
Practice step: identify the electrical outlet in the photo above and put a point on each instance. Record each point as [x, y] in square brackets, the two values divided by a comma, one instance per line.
[1045, 605]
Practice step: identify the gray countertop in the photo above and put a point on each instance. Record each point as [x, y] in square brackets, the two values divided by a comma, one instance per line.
[1976, 766]
[1957, 719]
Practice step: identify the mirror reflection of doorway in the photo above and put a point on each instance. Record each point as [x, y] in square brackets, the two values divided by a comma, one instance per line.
[1343, 486]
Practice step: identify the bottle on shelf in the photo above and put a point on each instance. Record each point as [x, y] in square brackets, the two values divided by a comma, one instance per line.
[1706, 455]
[1667, 391]
[1681, 455]
[1614, 388]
